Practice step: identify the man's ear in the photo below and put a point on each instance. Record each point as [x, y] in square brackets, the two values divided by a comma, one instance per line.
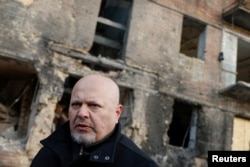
[119, 110]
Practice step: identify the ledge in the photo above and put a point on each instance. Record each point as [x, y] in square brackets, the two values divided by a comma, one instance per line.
[102, 61]
[239, 91]
[238, 16]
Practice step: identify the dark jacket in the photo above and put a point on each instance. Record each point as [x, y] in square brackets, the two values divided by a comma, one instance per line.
[116, 151]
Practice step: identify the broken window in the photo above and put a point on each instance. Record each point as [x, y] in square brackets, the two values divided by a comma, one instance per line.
[241, 134]
[17, 86]
[111, 28]
[193, 38]
[182, 130]
[243, 61]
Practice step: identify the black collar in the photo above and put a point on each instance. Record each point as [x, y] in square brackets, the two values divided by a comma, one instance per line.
[102, 152]
[61, 143]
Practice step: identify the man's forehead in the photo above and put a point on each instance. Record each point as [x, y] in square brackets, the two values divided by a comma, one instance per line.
[91, 90]
[99, 86]
[87, 97]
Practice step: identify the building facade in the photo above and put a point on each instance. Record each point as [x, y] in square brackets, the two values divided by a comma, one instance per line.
[183, 68]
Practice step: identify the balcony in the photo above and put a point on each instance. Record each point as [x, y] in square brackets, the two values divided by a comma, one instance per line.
[238, 14]
[239, 91]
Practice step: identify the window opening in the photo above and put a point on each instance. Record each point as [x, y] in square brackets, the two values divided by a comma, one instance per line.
[182, 130]
[243, 61]
[18, 82]
[111, 28]
[193, 38]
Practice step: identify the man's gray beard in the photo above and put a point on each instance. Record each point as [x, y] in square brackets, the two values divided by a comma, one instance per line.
[83, 138]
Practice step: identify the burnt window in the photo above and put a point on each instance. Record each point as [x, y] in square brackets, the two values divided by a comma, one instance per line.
[182, 131]
[17, 87]
[111, 30]
[243, 61]
[193, 38]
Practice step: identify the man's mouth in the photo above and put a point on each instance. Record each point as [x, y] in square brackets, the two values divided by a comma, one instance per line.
[83, 127]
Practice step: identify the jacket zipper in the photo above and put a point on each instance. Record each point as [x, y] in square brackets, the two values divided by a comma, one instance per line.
[81, 150]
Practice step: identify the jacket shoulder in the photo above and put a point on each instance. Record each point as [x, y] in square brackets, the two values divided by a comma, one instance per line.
[45, 157]
[132, 153]
[60, 135]
[58, 144]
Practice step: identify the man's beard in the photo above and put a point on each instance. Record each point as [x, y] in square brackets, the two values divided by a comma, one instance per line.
[83, 138]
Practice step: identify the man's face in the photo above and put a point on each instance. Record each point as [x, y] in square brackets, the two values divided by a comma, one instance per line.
[93, 111]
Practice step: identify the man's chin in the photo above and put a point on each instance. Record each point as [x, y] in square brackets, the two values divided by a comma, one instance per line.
[84, 138]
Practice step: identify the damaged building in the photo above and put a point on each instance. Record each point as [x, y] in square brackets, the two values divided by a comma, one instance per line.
[183, 68]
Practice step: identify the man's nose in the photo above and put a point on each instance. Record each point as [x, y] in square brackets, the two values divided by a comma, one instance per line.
[83, 111]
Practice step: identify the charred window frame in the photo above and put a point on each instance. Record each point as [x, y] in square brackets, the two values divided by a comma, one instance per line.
[111, 30]
[193, 38]
[182, 130]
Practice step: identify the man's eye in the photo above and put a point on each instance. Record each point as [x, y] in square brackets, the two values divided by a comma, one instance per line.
[93, 105]
[76, 104]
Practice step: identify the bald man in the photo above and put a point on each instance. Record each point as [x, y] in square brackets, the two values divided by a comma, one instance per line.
[92, 136]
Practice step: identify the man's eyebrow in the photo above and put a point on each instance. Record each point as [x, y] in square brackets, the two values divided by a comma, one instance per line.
[94, 101]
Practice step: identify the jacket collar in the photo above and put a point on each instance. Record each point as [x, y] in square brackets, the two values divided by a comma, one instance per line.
[104, 152]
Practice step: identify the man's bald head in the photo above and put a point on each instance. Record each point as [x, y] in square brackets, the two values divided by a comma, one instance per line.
[105, 84]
